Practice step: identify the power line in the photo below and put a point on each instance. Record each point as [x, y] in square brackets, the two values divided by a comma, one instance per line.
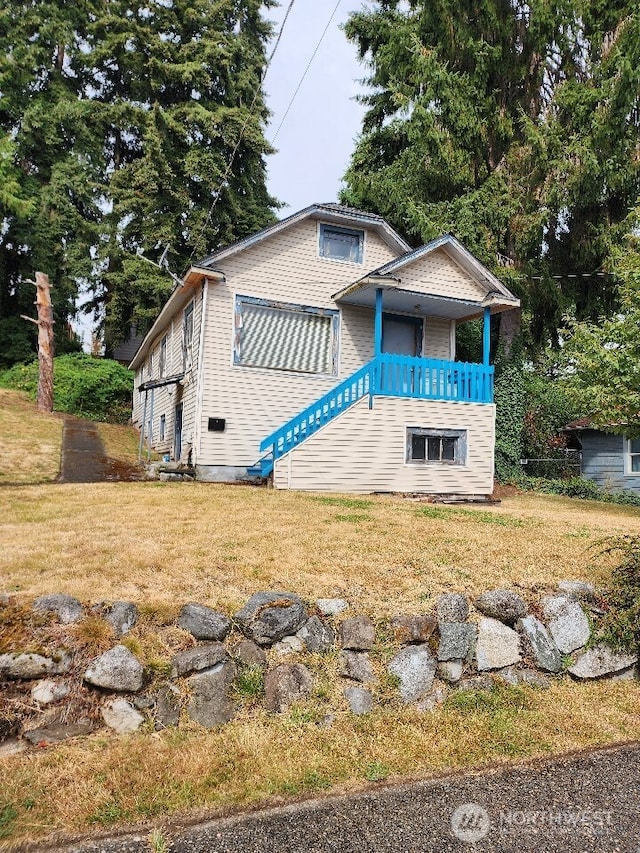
[306, 70]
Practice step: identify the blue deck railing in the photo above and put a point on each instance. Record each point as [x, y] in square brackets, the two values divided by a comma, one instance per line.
[389, 376]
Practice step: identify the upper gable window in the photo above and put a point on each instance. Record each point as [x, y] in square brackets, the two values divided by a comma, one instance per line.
[341, 244]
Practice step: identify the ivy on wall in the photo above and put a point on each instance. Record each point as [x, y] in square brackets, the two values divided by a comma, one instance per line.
[509, 396]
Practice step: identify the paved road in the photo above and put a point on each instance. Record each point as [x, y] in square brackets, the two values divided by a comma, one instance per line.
[584, 802]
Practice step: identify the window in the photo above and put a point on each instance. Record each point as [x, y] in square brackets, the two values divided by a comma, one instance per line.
[632, 455]
[280, 336]
[341, 244]
[150, 366]
[162, 365]
[187, 337]
[427, 446]
[163, 426]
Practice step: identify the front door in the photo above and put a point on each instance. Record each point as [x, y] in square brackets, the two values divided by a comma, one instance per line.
[401, 335]
[177, 440]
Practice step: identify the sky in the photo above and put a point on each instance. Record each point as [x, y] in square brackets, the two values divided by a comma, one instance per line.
[318, 135]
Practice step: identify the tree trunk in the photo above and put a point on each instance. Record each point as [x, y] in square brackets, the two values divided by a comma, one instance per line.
[45, 343]
[509, 329]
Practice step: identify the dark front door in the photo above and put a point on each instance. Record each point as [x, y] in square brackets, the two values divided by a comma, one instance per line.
[401, 335]
[177, 440]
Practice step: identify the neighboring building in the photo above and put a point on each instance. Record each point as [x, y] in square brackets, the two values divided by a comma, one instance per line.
[611, 461]
[322, 350]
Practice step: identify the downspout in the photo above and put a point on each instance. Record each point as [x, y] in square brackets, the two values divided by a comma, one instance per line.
[200, 380]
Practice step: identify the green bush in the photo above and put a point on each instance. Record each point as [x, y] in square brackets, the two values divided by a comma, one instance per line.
[94, 388]
[577, 487]
[620, 626]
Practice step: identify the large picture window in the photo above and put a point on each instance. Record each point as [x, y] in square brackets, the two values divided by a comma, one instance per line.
[427, 446]
[280, 336]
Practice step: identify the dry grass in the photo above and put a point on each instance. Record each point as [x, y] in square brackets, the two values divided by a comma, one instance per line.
[30, 442]
[120, 442]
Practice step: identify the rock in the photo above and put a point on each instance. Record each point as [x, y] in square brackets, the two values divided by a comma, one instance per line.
[577, 589]
[197, 659]
[356, 665]
[317, 635]
[497, 645]
[269, 616]
[67, 608]
[331, 606]
[357, 633]
[415, 668]
[600, 661]
[475, 682]
[514, 676]
[46, 692]
[58, 732]
[210, 704]
[292, 645]
[249, 653]
[12, 746]
[501, 604]
[121, 716]
[27, 665]
[541, 644]
[450, 671]
[452, 607]
[413, 629]
[167, 712]
[203, 622]
[567, 622]
[360, 700]
[122, 616]
[286, 684]
[143, 702]
[435, 697]
[117, 669]
[629, 674]
[456, 640]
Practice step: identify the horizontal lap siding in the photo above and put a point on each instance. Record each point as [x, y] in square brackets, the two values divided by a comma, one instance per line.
[256, 401]
[438, 274]
[437, 338]
[603, 461]
[364, 450]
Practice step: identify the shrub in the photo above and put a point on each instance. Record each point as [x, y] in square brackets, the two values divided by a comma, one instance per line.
[620, 626]
[94, 388]
[577, 487]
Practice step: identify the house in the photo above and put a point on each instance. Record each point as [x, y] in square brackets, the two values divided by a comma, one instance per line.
[321, 351]
[611, 461]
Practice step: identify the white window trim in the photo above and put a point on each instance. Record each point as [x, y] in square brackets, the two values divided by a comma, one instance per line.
[462, 449]
[187, 351]
[627, 454]
[323, 258]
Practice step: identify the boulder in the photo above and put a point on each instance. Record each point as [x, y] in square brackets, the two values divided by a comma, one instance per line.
[456, 640]
[452, 607]
[450, 671]
[167, 711]
[27, 665]
[204, 623]
[475, 682]
[118, 669]
[331, 606]
[514, 676]
[121, 716]
[292, 645]
[317, 636]
[540, 642]
[46, 692]
[600, 661]
[286, 684]
[413, 629]
[577, 589]
[497, 645]
[66, 608]
[567, 622]
[360, 700]
[435, 697]
[58, 732]
[356, 665]
[269, 616]
[210, 704]
[357, 633]
[415, 668]
[249, 653]
[122, 616]
[197, 659]
[501, 604]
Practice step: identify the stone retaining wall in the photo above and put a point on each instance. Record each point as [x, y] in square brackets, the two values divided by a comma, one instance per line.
[52, 686]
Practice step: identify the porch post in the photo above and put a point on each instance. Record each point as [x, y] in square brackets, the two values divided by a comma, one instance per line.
[486, 337]
[378, 323]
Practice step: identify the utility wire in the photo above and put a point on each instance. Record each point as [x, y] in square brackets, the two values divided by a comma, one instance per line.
[305, 72]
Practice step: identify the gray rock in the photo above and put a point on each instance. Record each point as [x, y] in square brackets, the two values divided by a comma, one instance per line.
[356, 665]
[501, 604]
[317, 635]
[210, 704]
[435, 697]
[197, 659]
[331, 606]
[450, 671]
[357, 633]
[167, 712]
[475, 682]
[452, 607]
[541, 644]
[122, 616]
[121, 716]
[514, 676]
[600, 661]
[203, 622]
[456, 640]
[629, 674]
[143, 702]
[292, 645]
[497, 645]
[26, 665]
[577, 589]
[249, 653]
[58, 732]
[269, 616]
[415, 667]
[67, 608]
[286, 684]
[567, 622]
[413, 629]
[360, 700]
[46, 692]
[117, 669]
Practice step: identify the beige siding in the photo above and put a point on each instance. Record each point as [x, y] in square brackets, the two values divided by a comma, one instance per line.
[437, 338]
[438, 274]
[364, 450]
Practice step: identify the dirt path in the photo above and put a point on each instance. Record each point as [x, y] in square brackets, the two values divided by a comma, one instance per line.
[84, 459]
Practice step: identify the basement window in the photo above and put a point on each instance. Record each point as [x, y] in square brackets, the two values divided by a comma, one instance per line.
[429, 446]
[280, 336]
[341, 244]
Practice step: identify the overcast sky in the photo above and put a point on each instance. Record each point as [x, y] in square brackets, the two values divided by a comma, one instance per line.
[318, 135]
